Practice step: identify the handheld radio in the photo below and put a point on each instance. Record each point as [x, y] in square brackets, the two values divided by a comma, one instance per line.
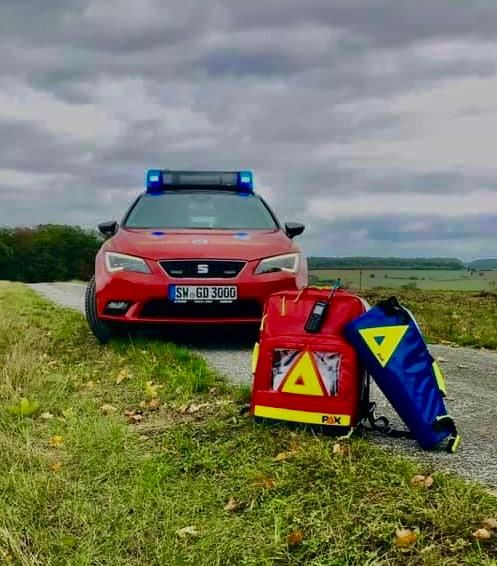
[320, 310]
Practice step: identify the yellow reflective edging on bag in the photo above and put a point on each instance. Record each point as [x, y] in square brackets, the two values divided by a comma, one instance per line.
[301, 416]
[255, 356]
[440, 378]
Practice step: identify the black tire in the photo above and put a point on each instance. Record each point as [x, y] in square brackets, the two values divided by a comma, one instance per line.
[101, 329]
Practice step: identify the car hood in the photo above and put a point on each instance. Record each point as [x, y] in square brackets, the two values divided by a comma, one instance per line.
[201, 244]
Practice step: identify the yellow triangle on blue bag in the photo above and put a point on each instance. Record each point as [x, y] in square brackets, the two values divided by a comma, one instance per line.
[383, 341]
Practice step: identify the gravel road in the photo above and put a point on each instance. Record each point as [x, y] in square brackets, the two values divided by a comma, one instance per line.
[471, 378]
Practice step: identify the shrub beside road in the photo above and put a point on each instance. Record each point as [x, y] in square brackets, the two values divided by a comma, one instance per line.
[137, 454]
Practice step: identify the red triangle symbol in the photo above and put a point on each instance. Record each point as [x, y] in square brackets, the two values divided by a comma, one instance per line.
[300, 381]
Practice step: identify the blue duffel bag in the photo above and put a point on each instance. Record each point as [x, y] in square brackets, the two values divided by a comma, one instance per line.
[393, 351]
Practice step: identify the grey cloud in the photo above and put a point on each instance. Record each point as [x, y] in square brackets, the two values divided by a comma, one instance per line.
[237, 85]
[405, 235]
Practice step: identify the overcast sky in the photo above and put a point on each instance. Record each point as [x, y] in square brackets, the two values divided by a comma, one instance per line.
[372, 121]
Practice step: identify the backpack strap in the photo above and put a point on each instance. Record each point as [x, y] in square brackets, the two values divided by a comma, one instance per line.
[381, 425]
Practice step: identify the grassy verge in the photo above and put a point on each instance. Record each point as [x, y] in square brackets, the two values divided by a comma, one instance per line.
[94, 472]
[449, 317]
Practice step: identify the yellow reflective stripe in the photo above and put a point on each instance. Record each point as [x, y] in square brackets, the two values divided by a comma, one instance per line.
[456, 443]
[440, 378]
[301, 416]
[255, 356]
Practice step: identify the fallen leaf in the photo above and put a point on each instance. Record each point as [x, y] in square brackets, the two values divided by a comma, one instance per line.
[133, 417]
[422, 481]
[154, 404]
[490, 524]
[121, 376]
[108, 409]
[190, 531]
[142, 404]
[282, 456]
[151, 390]
[52, 363]
[341, 449]
[223, 402]
[462, 366]
[25, 408]
[429, 481]
[46, 416]
[88, 386]
[295, 538]
[56, 441]
[143, 437]
[55, 467]
[193, 408]
[231, 506]
[482, 534]
[264, 482]
[404, 537]
[443, 360]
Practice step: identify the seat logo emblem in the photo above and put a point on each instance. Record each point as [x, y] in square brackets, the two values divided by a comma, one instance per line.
[202, 269]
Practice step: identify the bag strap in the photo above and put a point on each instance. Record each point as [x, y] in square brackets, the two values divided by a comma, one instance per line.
[381, 425]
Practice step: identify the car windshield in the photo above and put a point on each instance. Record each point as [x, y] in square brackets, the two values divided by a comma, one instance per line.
[201, 210]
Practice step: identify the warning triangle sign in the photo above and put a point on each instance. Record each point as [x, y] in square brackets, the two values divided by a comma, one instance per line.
[303, 378]
[383, 341]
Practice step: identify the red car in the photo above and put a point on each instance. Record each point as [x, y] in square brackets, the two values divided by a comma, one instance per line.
[195, 248]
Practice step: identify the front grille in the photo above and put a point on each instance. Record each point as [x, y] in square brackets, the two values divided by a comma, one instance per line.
[163, 308]
[202, 269]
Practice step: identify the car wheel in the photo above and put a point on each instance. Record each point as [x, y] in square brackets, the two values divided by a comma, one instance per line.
[101, 329]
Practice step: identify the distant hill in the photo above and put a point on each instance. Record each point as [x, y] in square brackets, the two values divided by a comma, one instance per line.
[489, 263]
[384, 263]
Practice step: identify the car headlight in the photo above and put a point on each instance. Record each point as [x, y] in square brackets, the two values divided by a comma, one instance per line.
[288, 263]
[122, 262]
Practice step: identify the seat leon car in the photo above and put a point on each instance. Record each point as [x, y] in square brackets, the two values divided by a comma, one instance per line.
[196, 248]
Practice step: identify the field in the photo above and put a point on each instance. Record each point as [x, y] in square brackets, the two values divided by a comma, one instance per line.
[455, 280]
[137, 454]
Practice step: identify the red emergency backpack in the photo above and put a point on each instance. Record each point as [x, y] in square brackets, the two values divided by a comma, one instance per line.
[309, 377]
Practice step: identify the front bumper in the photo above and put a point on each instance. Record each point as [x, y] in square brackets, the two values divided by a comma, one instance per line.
[147, 295]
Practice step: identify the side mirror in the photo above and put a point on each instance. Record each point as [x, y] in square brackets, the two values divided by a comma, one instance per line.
[294, 229]
[108, 228]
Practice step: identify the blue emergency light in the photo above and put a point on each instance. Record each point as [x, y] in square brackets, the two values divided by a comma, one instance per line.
[159, 180]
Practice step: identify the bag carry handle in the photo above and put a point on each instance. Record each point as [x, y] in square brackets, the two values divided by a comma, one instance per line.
[392, 307]
[336, 286]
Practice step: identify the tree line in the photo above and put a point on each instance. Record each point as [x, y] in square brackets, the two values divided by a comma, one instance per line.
[55, 252]
[384, 263]
[47, 253]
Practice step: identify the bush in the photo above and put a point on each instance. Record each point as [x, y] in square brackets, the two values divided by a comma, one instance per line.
[47, 253]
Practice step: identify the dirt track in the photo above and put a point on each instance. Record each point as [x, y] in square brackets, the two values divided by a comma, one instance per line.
[471, 378]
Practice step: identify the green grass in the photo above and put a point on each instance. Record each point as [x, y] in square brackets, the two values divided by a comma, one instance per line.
[449, 280]
[118, 493]
[449, 317]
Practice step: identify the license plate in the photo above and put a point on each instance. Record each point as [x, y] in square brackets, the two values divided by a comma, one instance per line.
[203, 293]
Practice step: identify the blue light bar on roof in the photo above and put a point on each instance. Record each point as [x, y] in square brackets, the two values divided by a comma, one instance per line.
[158, 180]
